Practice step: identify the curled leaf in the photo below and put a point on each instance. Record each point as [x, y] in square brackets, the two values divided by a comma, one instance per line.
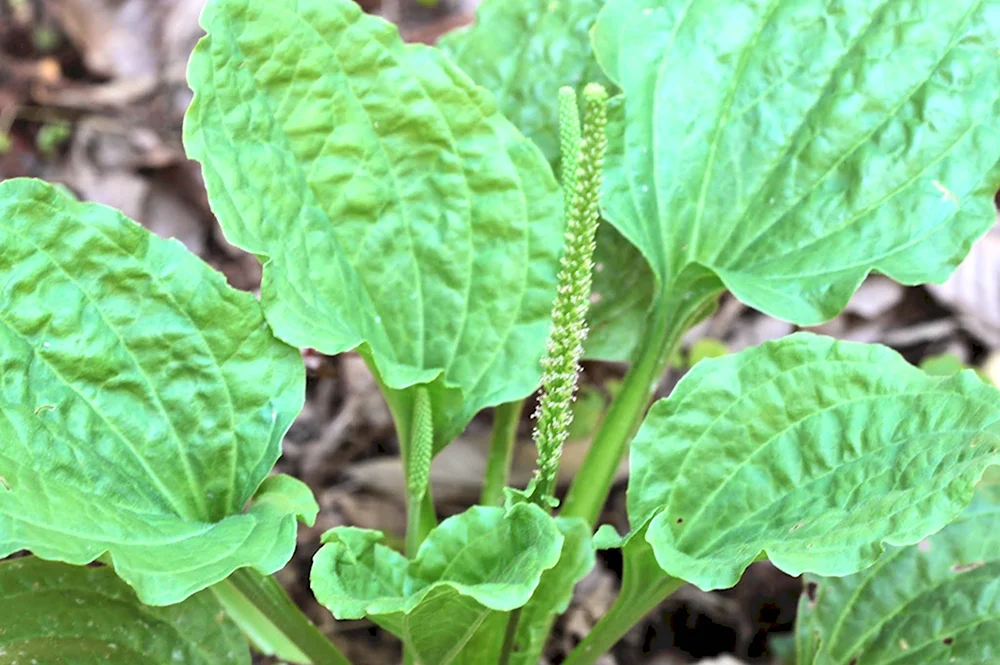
[815, 452]
[450, 603]
[143, 403]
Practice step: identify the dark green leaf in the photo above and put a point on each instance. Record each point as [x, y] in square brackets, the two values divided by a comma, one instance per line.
[54, 613]
[523, 51]
[624, 289]
[936, 602]
[555, 590]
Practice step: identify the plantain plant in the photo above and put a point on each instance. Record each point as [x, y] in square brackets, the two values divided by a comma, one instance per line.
[403, 202]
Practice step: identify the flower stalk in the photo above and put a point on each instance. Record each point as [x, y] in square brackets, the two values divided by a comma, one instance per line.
[582, 158]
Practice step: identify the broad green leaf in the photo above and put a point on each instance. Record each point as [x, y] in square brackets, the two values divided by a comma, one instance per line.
[555, 590]
[450, 603]
[393, 206]
[814, 452]
[936, 602]
[142, 403]
[55, 613]
[523, 51]
[793, 146]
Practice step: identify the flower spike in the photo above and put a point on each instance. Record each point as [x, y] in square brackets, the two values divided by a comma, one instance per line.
[569, 326]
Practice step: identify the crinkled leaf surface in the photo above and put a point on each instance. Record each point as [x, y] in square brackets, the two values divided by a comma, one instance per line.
[142, 403]
[450, 603]
[56, 613]
[394, 207]
[555, 590]
[792, 146]
[523, 51]
[936, 602]
[813, 451]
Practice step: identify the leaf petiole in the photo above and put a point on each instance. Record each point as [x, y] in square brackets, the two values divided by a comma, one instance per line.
[644, 586]
[666, 326]
[505, 420]
[510, 637]
[262, 608]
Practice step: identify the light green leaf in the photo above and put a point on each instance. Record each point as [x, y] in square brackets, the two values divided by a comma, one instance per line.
[815, 452]
[792, 146]
[142, 403]
[936, 602]
[451, 602]
[55, 613]
[393, 206]
[523, 51]
[555, 590]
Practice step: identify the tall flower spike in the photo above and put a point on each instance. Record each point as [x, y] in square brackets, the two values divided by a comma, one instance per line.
[569, 312]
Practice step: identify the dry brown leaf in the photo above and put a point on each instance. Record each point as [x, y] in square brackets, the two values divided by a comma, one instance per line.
[876, 296]
[117, 39]
[973, 291]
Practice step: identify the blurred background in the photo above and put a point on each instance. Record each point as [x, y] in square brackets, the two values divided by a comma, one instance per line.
[92, 96]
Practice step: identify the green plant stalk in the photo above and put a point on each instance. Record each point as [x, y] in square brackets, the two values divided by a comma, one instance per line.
[421, 517]
[507, 650]
[667, 325]
[504, 436]
[638, 597]
[592, 483]
[263, 635]
[263, 608]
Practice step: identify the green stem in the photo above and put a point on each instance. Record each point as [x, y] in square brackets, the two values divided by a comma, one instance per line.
[592, 483]
[505, 420]
[509, 638]
[421, 519]
[697, 292]
[271, 605]
[640, 595]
